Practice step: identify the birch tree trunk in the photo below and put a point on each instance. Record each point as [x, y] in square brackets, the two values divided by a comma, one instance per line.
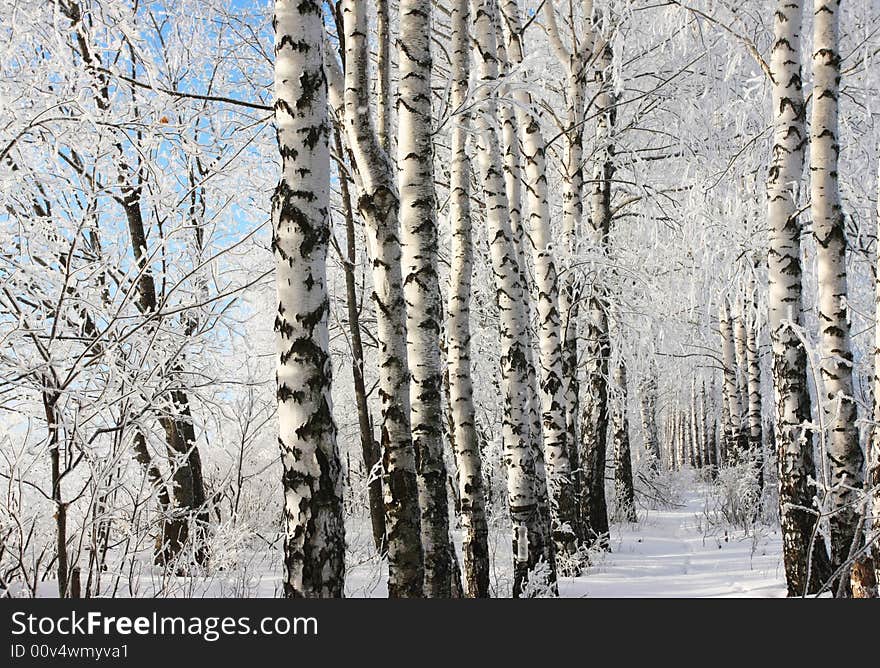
[735, 436]
[845, 455]
[383, 74]
[418, 226]
[475, 530]
[623, 479]
[804, 571]
[753, 367]
[561, 490]
[597, 345]
[378, 205]
[647, 409]
[530, 536]
[314, 538]
[370, 450]
[711, 428]
[513, 185]
[574, 61]
[874, 468]
[696, 448]
[742, 365]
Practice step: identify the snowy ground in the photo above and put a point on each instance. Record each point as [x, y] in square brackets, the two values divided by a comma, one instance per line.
[678, 553]
[683, 551]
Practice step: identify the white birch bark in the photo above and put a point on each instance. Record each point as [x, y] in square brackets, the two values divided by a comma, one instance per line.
[731, 386]
[475, 530]
[711, 427]
[513, 184]
[530, 540]
[844, 454]
[794, 444]
[695, 456]
[623, 479]
[552, 394]
[314, 538]
[753, 368]
[383, 74]
[742, 362]
[418, 229]
[574, 61]
[594, 422]
[378, 205]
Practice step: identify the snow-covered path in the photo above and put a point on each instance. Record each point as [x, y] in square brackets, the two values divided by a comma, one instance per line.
[672, 553]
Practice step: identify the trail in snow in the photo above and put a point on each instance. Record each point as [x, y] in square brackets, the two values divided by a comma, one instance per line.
[678, 553]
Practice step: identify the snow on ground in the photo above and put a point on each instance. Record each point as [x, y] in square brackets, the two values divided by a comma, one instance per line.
[678, 553]
[685, 551]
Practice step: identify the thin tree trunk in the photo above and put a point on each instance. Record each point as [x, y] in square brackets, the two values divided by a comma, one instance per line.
[845, 455]
[574, 62]
[874, 452]
[314, 532]
[647, 410]
[559, 481]
[383, 74]
[513, 183]
[188, 489]
[418, 227]
[472, 502]
[369, 447]
[378, 204]
[736, 437]
[742, 364]
[597, 344]
[805, 572]
[623, 480]
[530, 544]
[753, 367]
[696, 443]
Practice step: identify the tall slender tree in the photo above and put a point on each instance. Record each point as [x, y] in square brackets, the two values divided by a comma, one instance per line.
[531, 543]
[736, 435]
[844, 453]
[753, 371]
[596, 334]
[623, 479]
[378, 204]
[314, 538]
[552, 394]
[874, 450]
[805, 570]
[418, 228]
[647, 411]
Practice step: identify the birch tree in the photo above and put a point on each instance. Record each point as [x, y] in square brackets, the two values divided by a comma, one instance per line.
[378, 204]
[647, 411]
[475, 547]
[530, 537]
[804, 570]
[597, 346]
[418, 227]
[753, 369]
[874, 445]
[623, 479]
[736, 433]
[553, 425]
[845, 454]
[314, 538]
[574, 60]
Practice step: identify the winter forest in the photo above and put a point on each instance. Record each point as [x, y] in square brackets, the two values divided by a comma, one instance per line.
[461, 298]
